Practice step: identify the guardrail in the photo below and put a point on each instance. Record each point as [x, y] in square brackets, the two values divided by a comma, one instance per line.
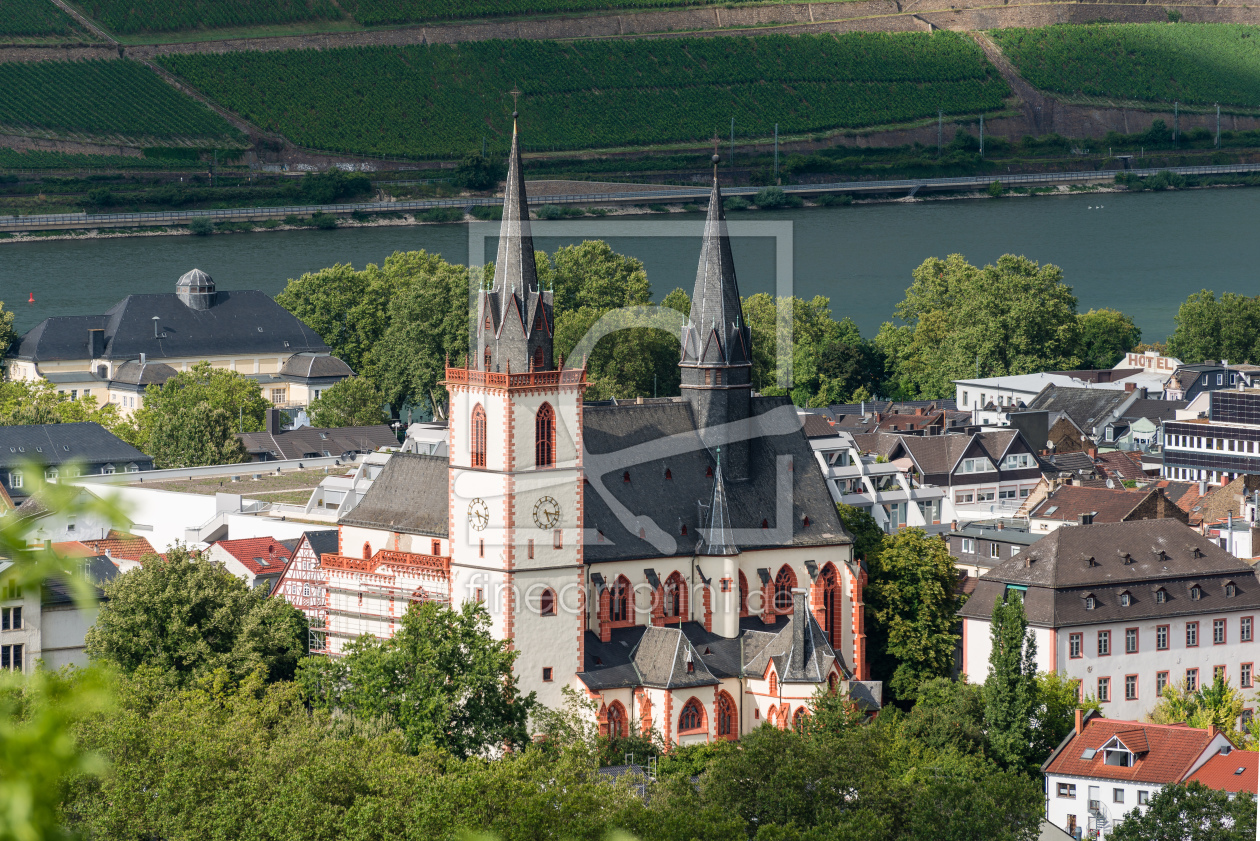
[673, 194]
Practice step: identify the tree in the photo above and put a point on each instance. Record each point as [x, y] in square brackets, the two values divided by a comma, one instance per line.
[194, 437]
[1191, 812]
[479, 173]
[1010, 690]
[911, 596]
[428, 322]
[352, 402]
[184, 617]
[223, 402]
[1015, 317]
[442, 677]
[1106, 336]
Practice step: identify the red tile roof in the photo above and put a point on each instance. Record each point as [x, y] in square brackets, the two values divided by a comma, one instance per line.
[260, 555]
[1221, 771]
[1172, 749]
[119, 544]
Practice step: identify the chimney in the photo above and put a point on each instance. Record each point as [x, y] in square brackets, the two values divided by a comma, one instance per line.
[1079, 723]
[273, 421]
[96, 342]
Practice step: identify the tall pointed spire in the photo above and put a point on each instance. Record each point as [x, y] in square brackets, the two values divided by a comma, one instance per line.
[515, 318]
[720, 539]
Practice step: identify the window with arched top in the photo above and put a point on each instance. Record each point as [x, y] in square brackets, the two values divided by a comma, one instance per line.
[692, 717]
[619, 608]
[367, 550]
[545, 436]
[675, 592]
[727, 723]
[617, 721]
[547, 603]
[538, 359]
[477, 436]
[783, 584]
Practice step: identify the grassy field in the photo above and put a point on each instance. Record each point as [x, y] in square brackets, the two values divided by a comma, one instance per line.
[1192, 63]
[34, 18]
[129, 17]
[108, 98]
[443, 100]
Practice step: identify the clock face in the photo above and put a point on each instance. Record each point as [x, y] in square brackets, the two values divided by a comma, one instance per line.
[546, 513]
[478, 514]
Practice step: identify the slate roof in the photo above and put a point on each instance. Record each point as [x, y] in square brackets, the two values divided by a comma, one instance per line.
[310, 442]
[1087, 407]
[259, 555]
[409, 495]
[1057, 572]
[1172, 750]
[60, 443]
[1108, 505]
[1221, 772]
[313, 367]
[645, 441]
[239, 322]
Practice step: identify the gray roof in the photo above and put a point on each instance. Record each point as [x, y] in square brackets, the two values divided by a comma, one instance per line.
[239, 322]
[312, 442]
[59, 443]
[410, 495]
[1058, 573]
[1087, 407]
[647, 474]
[312, 366]
[716, 332]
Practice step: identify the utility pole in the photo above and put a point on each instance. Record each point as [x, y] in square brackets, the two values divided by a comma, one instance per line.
[982, 137]
[776, 150]
[940, 128]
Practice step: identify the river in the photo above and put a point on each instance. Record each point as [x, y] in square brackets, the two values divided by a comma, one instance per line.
[1140, 253]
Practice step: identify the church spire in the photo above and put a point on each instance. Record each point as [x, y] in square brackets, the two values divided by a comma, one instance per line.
[720, 540]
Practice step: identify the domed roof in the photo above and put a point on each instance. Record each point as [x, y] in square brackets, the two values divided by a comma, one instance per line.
[196, 280]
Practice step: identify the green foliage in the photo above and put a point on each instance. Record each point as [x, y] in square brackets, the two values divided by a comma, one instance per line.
[1015, 317]
[1010, 690]
[24, 403]
[671, 90]
[1191, 812]
[1195, 63]
[129, 17]
[910, 596]
[1216, 704]
[190, 419]
[354, 401]
[1106, 336]
[103, 97]
[441, 677]
[1211, 329]
[479, 173]
[34, 17]
[183, 619]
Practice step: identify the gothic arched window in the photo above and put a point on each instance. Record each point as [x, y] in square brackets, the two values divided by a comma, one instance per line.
[783, 584]
[619, 610]
[545, 437]
[478, 436]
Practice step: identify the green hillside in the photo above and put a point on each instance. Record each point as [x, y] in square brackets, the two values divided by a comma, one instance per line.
[1194, 63]
[442, 100]
[27, 18]
[114, 98]
[131, 17]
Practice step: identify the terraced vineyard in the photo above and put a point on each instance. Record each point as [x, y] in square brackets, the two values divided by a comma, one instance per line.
[131, 17]
[109, 98]
[1194, 63]
[442, 100]
[27, 18]
[373, 12]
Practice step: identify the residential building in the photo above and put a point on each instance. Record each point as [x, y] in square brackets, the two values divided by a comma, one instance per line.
[1127, 609]
[62, 450]
[1070, 505]
[258, 561]
[1219, 448]
[1108, 769]
[983, 475]
[883, 489]
[110, 357]
[276, 443]
[45, 623]
[664, 556]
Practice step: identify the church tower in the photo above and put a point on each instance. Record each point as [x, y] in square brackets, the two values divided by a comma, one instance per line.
[717, 347]
[515, 474]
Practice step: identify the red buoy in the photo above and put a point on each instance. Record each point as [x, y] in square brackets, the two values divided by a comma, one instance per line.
[32, 299]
